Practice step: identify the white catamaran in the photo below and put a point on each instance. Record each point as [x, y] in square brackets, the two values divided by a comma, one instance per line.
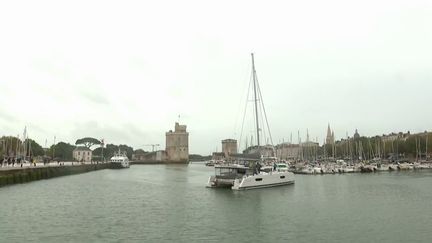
[251, 176]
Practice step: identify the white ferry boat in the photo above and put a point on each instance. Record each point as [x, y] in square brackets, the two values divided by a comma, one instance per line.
[120, 160]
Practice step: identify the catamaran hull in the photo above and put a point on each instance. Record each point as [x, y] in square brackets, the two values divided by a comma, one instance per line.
[264, 181]
[214, 182]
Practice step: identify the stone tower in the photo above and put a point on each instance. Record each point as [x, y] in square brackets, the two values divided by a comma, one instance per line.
[229, 146]
[177, 144]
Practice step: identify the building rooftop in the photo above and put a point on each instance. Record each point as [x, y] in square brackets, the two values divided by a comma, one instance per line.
[255, 156]
[82, 149]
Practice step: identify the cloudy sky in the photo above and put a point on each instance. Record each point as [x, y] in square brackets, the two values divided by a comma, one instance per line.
[125, 70]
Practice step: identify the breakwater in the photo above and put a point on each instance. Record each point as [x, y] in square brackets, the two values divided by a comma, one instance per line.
[28, 174]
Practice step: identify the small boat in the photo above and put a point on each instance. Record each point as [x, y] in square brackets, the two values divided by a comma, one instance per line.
[317, 170]
[214, 162]
[366, 169]
[120, 160]
[348, 169]
[405, 166]
[307, 170]
[210, 163]
[393, 167]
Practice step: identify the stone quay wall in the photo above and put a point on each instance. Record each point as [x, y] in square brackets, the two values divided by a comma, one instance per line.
[28, 174]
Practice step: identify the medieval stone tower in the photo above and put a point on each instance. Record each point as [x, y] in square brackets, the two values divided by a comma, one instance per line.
[229, 146]
[177, 144]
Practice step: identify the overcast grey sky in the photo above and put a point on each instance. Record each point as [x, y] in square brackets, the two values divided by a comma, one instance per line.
[125, 70]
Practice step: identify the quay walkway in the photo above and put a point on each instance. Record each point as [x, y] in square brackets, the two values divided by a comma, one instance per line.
[5, 167]
[14, 174]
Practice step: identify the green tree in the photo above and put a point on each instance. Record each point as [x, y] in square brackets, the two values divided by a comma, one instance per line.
[127, 149]
[36, 149]
[87, 142]
[62, 151]
[108, 151]
[111, 149]
[139, 151]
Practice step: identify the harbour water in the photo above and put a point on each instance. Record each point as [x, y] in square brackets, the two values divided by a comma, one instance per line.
[161, 203]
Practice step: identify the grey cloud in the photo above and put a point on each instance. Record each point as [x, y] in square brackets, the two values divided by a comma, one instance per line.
[95, 98]
[7, 117]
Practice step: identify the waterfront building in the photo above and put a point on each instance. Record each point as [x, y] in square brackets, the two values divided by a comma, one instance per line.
[82, 154]
[395, 136]
[153, 157]
[139, 155]
[288, 151]
[265, 151]
[177, 144]
[218, 156]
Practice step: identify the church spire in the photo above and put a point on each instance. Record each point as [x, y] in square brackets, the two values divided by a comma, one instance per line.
[330, 135]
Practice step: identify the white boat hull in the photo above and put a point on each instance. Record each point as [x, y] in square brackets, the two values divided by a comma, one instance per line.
[120, 165]
[120, 160]
[264, 180]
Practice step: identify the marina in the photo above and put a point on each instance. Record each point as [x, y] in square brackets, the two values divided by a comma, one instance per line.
[333, 168]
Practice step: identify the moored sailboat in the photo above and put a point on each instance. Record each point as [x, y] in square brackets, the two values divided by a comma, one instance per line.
[242, 177]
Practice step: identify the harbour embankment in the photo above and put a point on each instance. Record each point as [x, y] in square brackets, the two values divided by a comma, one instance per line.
[16, 175]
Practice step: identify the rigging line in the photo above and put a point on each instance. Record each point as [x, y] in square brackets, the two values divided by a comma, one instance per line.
[255, 99]
[258, 99]
[244, 78]
[263, 129]
[265, 114]
[244, 113]
[264, 135]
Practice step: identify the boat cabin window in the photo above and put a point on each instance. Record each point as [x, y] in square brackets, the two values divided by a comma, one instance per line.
[267, 169]
[225, 171]
[241, 171]
[258, 179]
[282, 177]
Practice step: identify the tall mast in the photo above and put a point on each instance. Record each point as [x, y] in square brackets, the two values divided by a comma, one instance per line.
[426, 146]
[255, 98]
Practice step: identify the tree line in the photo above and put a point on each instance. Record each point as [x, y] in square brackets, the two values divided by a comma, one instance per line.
[10, 147]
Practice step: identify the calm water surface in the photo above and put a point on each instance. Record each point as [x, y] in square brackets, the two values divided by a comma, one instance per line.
[155, 203]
